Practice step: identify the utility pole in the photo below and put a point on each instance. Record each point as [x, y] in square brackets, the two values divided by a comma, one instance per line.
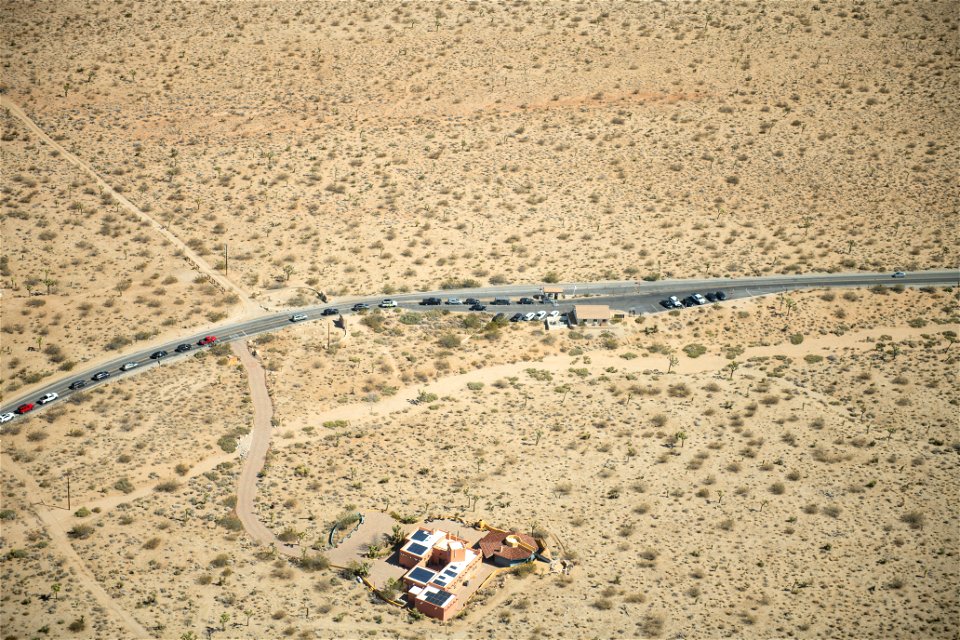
[328, 336]
[69, 507]
[226, 262]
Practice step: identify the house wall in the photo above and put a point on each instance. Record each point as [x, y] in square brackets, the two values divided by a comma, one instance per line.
[408, 560]
[433, 610]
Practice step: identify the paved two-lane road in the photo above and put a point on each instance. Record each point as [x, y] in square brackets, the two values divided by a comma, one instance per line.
[640, 297]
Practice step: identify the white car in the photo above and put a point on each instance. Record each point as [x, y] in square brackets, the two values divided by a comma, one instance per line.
[50, 397]
[529, 316]
[899, 274]
[541, 315]
[6, 417]
[129, 365]
[674, 302]
[699, 299]
[554, 314]
[388, 304]
[454, 301]
[298, 317]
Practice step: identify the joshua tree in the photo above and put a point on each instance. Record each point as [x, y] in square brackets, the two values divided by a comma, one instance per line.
[288, 270]
[396, 535]
[249, 615]
[791, 303]
[188, 635]
[681, 436]
[50, 284]
[733, 366]
[719, 497]
[539, 435]
[55, 588]
[224, 618]
[674, 361]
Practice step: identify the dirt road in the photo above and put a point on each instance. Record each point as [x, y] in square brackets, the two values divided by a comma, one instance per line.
[59, 544]
[250, 307]
[262, 414]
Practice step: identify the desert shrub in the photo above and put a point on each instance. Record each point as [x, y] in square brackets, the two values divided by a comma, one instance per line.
[449, 341]
[475, 386]
[152, 543]
[81, 531]
[913, 518]
[289, 534]
[316, 562]
[777, 488]
[812, 358]
[82, 512]
[796, 338]
[220, 560]
[230, 522]
[694, 350]
[8, 514]
[167, 486]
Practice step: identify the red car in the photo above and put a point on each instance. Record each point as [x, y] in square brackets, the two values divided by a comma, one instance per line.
[207, 340]
[22, 409]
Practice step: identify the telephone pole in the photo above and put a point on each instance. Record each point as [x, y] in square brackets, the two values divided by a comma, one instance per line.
[226, 261]
[69, 507]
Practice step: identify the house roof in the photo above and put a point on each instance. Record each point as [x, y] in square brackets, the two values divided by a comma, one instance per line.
[493, 544]
[592, 311]
[553, 289]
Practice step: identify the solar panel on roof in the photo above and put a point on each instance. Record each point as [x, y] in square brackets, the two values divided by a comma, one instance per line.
[416, 549]
[438, 598]
[420, 535]
[420, 574]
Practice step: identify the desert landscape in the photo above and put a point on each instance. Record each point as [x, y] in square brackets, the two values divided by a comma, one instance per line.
[783, 465]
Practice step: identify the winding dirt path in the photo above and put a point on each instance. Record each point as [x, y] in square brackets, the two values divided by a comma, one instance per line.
[224, 283]
[257, 455]
[55, 526]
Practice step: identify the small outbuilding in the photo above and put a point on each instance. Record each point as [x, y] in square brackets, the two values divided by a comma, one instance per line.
[590, 315]
[507, 548]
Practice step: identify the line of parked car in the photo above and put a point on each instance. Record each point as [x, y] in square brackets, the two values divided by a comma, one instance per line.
[102, 375]
[693, 300]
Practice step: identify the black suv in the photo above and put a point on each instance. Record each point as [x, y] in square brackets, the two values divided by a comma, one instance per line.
[501, 301]
[471, 301]
[156, 355]
[431, 301]
[527, 301]
[79, 384]
[100, 375]
[183, 347]
[330, 312]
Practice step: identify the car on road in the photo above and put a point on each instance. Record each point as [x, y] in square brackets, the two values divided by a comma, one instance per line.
[388, 304]
[206, 340]
[24, 408]
[899, 274]
[431, 301]
[77, 384]
[671, 303]
[501, 301]
[129, 365]
[721, 295]
[361, 306]
[541, 315]
[454, 301]
[100, 375]
[554, 314]
[6, 417]
[527, 301]
[156, 355]
[527, 317]
[689, 302]
[298, 317]
[330, 312]
[47, 398]
[471, 301]
[517, 317]
[181, 348]
[711, 297]
[699, 299]
[478, 307]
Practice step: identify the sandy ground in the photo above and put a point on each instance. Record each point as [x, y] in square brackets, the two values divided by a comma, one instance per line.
[768, 468]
